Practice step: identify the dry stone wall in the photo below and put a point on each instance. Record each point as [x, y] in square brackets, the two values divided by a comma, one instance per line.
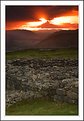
[56, 79]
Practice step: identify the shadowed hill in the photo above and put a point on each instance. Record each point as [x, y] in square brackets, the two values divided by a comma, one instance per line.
[60, 39]
[25, 39]
[20, 39]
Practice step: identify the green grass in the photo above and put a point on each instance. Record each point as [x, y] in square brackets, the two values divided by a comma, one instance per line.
[58, 53]
[42, 107]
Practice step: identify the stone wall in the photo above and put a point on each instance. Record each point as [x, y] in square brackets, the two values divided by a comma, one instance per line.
[56, 79]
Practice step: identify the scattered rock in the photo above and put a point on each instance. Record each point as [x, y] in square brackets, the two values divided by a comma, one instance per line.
[35, 78]
[60, 91]
[72, 95]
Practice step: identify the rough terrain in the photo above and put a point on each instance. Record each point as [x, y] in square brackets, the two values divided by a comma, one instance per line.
[56, 79]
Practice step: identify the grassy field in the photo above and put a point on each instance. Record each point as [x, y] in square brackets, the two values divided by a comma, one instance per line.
[42, 107]
[58, 53]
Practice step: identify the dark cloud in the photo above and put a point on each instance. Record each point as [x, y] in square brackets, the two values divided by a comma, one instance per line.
[23, 13]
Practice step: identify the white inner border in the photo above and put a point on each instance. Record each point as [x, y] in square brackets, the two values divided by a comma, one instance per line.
[3, 4]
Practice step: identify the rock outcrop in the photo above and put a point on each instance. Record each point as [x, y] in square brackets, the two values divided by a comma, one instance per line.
[56, 79]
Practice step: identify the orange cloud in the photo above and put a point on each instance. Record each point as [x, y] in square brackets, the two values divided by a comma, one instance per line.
[69, 20]
[64, 19]
[33, 24]
[14, 25]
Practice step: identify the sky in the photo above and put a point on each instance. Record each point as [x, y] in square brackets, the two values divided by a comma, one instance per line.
[37, 18]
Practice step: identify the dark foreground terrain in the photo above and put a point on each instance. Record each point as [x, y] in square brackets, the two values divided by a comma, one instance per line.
[42, 82]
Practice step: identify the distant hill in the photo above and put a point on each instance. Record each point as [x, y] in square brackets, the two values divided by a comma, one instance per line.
[20, 39]
[60, 39]
[25, 39]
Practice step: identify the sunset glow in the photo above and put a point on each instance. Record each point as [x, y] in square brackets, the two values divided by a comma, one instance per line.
[33, 25]
[64, 19]
[37, 18]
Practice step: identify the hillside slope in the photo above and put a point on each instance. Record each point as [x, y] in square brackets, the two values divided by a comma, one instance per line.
[61, 39]
[20, 39]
